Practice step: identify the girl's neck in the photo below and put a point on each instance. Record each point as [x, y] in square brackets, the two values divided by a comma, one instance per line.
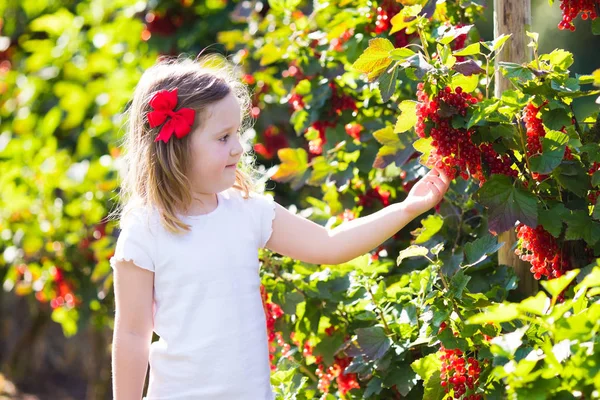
[202, 203]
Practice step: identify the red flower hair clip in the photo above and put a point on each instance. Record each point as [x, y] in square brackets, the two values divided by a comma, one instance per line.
[181, 121]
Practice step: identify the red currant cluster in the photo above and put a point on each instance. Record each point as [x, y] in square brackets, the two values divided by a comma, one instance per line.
[572, 8]
[273, 140]
[296, 102]
[535, 129]
[353, 129]
[535, 133]
[453, 149]
[293, 71]
[594, 194]
[385, 12]
[162, 24]
[459, 42]
[541, 250]
[340, 101]
[337, 44]
[376, 193]
[345, 382]
[315, 146]
[61, 292]
[327, 375]
[459, 373]
[272, 313]
[347, 215]
[568, 154]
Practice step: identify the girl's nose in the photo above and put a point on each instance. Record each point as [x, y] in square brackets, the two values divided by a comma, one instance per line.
[237, 148]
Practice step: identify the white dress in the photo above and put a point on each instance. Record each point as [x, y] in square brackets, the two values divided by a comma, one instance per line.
[208, 310]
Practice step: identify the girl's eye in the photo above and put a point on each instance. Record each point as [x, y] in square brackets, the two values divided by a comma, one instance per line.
[224, 137]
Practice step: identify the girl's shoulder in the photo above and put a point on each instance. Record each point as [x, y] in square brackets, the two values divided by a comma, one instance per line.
[140, 217]
[249, 199]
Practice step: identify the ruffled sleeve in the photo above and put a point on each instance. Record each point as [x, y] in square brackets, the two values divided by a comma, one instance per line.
[263, 206]
[135, 242]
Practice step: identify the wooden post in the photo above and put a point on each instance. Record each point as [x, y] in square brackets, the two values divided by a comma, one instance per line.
[513, 17]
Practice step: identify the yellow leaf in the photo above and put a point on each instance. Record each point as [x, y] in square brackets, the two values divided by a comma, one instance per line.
[293, 163]
[375, 59]
[405, 18]
[408, 118]
[596, 75]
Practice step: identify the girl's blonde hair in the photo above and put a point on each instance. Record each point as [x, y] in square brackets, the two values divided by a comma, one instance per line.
[156, 173]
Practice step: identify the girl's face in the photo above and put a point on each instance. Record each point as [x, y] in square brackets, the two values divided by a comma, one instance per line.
[216, 148]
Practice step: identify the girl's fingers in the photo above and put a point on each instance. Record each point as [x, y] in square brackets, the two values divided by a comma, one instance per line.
[445, 178]
[437, 181]
[436, 191]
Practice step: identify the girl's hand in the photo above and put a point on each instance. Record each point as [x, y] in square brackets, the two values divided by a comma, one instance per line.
[427, 192]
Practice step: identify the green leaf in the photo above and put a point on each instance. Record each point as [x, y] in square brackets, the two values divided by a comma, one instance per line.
[270, 53]
[596, 26]
[300, 120]
[559, 58]
[55, 24]
[401, 54]
[453, 33]
[408, 16]
[482, 111]
[534, 39]
[581, 226]
[507, 204]
[553, 151]
[477, 250]
[431, 225]
[375, 59]
[386, 136]
[412, 251]
[426, 367]
[321, 169]
[373, 387]
[387, 83]
[506, 345]
[467, 83]
[420, 65]
[537, 305]
[555, 119]
[470, 50]
[596, 212]
[551, 219]
[408, 116]
[433, 388]
[572, 176]
[403, 377]
[452, 342]
[591, 280]
[284, 5]
[423, 145]
[458, 284]
[516, 71]
[498, 313]
[499, 41]
[596, 179]
[558, 285]
[396, 149]
[294, 163]
[372, 342]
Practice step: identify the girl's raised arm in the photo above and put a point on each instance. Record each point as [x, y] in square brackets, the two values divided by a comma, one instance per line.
[133, 329]
[307, 241]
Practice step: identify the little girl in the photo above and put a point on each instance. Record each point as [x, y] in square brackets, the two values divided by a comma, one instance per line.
[186, 261]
